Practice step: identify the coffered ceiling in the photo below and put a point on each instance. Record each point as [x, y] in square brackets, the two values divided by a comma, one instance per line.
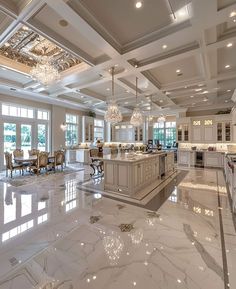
[183, 52]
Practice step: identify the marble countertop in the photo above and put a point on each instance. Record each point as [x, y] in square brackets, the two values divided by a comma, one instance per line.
[126, 157]
[205, 151]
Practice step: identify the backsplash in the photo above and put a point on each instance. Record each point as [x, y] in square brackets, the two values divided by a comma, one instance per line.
[201, 146]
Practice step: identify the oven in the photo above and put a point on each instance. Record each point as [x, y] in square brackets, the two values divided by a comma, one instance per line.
[199, 159]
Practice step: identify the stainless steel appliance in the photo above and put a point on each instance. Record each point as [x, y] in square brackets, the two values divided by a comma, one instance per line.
[199, 159]
[162, 164]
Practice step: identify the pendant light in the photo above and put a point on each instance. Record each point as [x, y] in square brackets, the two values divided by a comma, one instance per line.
[113, 114]
[137, 117]
[161, 118]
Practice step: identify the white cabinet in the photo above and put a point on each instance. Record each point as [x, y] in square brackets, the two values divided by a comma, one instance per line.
[197, 133]
[213, 159]
[224, 131]
[71, 156]
[183, 157]
[82, 156]
[209, 135]
[125, 132]
[183, 132]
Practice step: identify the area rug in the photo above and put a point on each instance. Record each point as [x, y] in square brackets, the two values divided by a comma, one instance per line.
[18, 180]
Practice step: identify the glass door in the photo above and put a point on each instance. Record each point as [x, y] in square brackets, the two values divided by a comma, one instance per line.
[9, 133]
[26, 137]
[42, 137]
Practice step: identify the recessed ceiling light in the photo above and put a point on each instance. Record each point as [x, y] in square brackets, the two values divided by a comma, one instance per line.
[126, 102]
[232, 14]
[191, 96]
[138, 4]
[205, 99]
[234, 20]
[229, 44]
[116, 65]
[127, 91]
[226, 100]
[200, 84]
[108, 89]
[161, 100]
[178, 70]
[164, 46]
[168, 93]
[63, 22]
[25, 28]
[227, 66]
[198, 89]
[205, 91]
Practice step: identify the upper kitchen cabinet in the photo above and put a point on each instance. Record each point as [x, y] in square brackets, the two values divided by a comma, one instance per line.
[224, 131]
[183, 130]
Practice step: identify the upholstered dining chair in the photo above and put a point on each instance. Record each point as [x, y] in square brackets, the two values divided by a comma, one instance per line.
[41, 163]
[59, 159]
[10, 166]
[33, 152]
[18, 153]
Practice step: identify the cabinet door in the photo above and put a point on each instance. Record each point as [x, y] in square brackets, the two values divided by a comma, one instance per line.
[209, 134]
[197, 133]
[138, 174]
[179, 133]
[183, 158]
[186, 132]
[122, 177]
[219, 132]
[227, 127]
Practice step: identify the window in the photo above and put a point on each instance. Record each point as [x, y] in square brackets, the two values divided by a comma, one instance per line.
[165, 133]
[42, 138]
[16, 111]
[71, 130]
[98, 129]
[44, 115]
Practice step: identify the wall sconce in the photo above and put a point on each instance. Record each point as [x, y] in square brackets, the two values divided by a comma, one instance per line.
[63, 126]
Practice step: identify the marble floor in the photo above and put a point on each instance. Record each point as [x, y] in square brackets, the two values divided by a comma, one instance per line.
[57, 234]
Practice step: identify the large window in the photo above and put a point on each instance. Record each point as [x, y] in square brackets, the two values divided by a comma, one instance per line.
[165, 132]
[24, 128]
[98, 129]
[71, 129]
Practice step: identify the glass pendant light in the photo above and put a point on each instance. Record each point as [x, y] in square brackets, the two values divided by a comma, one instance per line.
[161, 118]
[113, 113]
[137, 116]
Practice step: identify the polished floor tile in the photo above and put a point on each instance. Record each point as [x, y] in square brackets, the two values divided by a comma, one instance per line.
[54, 234]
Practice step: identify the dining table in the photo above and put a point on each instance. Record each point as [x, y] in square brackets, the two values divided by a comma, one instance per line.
[30, 159]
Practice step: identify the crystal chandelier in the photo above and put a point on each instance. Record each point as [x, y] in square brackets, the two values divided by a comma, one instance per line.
[113, 246]
[44, 72]
[113, 113]
[161, 118]
[137, 116]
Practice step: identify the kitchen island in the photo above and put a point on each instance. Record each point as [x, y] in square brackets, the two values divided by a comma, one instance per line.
[130, 173]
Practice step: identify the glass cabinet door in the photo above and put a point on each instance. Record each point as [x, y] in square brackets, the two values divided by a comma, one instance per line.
[219, 132]
[179, 132]
[227, 131]
[186, 133]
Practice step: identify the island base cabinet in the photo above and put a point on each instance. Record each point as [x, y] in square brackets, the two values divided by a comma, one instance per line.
[127, 177]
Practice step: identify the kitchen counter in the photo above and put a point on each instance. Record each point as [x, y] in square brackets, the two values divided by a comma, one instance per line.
[128, 157]
[129, 174]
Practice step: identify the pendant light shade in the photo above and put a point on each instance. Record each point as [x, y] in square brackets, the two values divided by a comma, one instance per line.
[113, 113]
[137, 116]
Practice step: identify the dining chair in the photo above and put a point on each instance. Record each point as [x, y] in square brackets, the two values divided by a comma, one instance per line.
[33, 152]
[59, 159]
[10, 166]
[41, 163]
[18, 153]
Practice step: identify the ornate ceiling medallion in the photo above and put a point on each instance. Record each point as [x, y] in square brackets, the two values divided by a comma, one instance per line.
[26, 47]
